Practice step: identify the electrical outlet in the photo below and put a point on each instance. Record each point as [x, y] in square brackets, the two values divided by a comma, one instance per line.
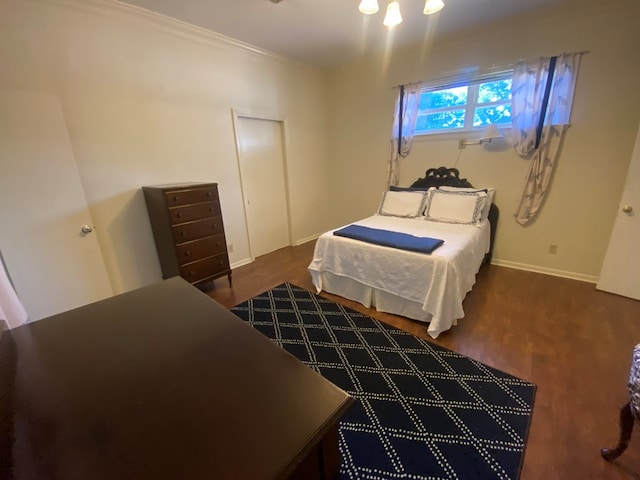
[553, 249]
[230, 248]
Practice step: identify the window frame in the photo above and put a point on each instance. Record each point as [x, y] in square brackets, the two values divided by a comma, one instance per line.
[473, 88]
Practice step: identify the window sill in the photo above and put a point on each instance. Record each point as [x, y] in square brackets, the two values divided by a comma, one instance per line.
[466, 134]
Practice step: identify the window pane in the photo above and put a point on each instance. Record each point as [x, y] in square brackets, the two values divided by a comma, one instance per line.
[477, 104]
[498, 114]
[494, 91]
[440, 120]
[451, 97]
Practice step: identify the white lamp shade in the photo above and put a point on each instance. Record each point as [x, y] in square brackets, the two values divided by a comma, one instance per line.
[432, 6]
[490, 133]
[369, 7]
[393, 16]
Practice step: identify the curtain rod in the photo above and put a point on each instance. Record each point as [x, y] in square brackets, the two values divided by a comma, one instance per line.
[491, 70]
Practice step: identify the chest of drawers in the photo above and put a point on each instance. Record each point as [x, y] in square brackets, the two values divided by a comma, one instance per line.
[188, 230]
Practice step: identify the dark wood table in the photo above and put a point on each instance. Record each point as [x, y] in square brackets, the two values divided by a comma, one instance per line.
[160, 383]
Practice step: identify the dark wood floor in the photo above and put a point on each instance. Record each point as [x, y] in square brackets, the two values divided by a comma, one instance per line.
[572, 341]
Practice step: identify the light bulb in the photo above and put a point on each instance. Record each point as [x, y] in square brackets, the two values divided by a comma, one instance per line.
[432, 6]
[393, 17]
[369, 7]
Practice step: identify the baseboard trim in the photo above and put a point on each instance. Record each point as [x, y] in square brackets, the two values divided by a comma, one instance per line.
[247, 261]
[547, 271]
[302, 241]
[241, 263]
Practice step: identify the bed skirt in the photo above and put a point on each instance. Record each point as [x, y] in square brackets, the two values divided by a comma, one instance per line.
[382, 301]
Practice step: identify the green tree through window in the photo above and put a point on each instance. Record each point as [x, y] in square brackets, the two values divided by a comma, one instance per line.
[465, 107]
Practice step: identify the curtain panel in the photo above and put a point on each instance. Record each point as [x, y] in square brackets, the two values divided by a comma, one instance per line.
[12, 313]
[542, 96]
[404, 124]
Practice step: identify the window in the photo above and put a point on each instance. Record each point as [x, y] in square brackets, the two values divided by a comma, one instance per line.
[464, 107]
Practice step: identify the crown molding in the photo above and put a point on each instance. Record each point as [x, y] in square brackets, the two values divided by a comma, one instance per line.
[127, 12]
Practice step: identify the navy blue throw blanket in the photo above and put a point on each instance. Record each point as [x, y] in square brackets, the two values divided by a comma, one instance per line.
[386, 238]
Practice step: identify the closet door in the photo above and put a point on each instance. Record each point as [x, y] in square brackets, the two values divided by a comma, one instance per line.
[264, 186]
[53, 263]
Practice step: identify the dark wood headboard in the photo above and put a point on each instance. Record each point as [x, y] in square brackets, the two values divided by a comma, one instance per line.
[450, 177]
[441, 176]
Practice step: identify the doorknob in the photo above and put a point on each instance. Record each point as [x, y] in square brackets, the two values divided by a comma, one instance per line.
[627, 209]
[87, 229]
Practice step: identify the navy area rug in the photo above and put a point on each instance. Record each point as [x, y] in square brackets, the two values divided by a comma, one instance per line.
[422, 411]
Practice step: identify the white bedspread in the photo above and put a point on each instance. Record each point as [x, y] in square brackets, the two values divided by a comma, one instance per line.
[438, 282]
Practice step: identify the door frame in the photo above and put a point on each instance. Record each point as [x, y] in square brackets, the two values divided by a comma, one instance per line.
[236, 115]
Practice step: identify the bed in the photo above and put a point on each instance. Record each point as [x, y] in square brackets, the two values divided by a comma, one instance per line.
[425, 287]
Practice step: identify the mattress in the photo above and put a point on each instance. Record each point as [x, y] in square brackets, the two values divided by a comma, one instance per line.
[425, 287]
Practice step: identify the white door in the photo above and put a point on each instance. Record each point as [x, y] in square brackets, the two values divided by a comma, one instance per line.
[54, 265]
[261, 156]
[621, 268]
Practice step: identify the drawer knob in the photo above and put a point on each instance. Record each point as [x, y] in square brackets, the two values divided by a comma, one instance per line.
[211, 209]
[175, 198]
[217, 244]
[187, 253]
[191, 273]
[208, 194]
[179, 214]
[182, 233]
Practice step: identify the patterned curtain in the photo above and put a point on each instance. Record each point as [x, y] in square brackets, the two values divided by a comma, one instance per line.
[404, 124]
[12, 313]
[542, 95]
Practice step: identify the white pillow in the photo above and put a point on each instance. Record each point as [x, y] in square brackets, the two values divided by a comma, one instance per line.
[402, 204]
[490, 194]
[456, 207]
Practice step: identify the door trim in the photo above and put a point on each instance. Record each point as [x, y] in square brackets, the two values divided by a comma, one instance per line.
[236, 115]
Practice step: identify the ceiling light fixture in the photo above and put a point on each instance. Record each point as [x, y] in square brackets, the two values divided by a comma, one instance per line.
[432, 6]
[393, 16]
[369, 7]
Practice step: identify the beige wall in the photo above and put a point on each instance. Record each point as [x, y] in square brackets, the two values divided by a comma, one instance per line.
[147, 100]
[579, 212]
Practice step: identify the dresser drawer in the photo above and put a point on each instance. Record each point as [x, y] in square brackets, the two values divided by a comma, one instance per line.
[205, 268]
[205, 247]
[198, 229]
[187, 197]
[194, 212]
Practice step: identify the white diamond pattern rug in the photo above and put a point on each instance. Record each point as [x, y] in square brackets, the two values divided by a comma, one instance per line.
[422, 411]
